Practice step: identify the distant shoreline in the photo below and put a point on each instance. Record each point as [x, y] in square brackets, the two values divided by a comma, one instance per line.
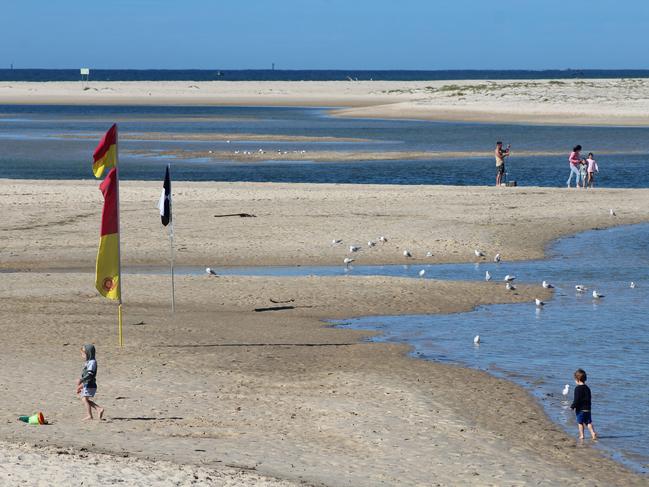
[593, 102]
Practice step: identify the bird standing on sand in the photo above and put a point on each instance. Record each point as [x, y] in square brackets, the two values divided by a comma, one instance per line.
[478, 253]
[371, 243]
[383, 239]
[336, 241]
[566, 390]
[547, 285]
[406, 253]
[597, 295]
[611, 212]
[487, 276]
[510, 287]
[497, 259]
[476, 340]
[347, 261]
[509, 278]
[354, 248]
[210, 271]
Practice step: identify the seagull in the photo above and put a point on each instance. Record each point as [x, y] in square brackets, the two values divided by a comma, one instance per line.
[478, 253]
[597, 295]
[580, 288]
[429, 254]
[210, 271]
[422, 272]
[487, 276]
[497, 259]
[611, 212]
[539, 303]
[476, 340]
[566, 390]
[406, 253]
[354, 248]
[547, 285]
[383, 239]
[347, 261]
[371, 243]
[632, 285]
[336, 241]
[510, 287]
[509, 278]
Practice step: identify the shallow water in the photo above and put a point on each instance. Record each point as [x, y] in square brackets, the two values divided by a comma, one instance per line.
[30, 146]
[540, 348]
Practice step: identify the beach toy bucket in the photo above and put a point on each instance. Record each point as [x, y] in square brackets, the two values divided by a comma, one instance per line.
[37, 418]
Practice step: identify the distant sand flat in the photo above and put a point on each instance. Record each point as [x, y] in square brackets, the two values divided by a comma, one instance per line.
[329, 156]
[581, 102]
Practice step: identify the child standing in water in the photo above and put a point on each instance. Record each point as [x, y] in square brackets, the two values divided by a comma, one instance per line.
[87, 384]
[592, 169]
[581, 405]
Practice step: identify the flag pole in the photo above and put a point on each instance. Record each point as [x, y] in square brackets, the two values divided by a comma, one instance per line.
[171, 249]
[119, 245]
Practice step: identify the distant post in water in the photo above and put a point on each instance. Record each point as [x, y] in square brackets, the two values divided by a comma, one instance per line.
[164, 205]
[108, 271]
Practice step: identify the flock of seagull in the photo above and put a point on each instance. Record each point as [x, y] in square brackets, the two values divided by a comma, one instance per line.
[508, 279]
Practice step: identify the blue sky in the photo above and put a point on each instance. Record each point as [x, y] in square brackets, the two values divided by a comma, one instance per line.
[325, 34]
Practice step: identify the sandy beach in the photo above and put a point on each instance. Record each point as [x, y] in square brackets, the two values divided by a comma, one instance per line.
[247, 398]
[582, 102]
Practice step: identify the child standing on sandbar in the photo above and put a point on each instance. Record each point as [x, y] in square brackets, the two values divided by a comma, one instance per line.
[87, 384]
[581, 405]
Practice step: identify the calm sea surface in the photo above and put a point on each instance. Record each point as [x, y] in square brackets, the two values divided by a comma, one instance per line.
[309, 75]
[39, 142]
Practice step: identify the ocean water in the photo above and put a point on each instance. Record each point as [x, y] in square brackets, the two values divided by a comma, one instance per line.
[49, 142]
[308, 75]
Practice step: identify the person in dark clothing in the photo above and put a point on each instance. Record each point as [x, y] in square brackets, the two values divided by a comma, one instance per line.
[581, 405]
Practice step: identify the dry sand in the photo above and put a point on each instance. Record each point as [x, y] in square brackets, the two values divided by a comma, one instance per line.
[584, 102]
[55, 223]
[220, 386]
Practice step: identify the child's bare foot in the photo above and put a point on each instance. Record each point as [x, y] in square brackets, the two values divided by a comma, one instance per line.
[594, 437]
[88, 418]
[101, 413]
[581, 438]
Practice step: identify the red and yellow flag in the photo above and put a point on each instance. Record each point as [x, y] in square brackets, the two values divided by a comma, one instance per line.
[107, 270]
[105, 155]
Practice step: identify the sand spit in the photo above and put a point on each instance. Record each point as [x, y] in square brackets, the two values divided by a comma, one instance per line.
[582, 102]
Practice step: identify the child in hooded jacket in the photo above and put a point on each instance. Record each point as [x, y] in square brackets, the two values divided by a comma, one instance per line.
[87, 384]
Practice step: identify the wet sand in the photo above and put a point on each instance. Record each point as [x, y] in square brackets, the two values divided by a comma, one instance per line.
[279, 393]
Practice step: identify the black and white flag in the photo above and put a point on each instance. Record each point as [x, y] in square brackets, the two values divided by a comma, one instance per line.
[165, 200]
